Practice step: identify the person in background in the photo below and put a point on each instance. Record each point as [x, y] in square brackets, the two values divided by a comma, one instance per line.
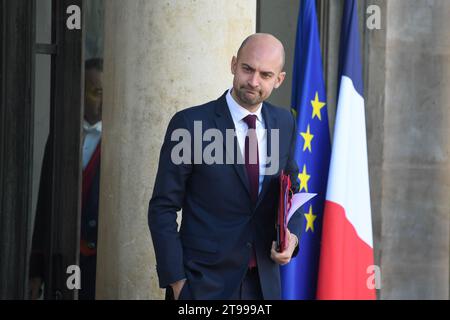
[91, 140]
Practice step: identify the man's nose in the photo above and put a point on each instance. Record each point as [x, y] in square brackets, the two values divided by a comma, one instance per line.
[254, 80]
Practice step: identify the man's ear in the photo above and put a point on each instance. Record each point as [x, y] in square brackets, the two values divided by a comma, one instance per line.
[280, 80]
[233, 65]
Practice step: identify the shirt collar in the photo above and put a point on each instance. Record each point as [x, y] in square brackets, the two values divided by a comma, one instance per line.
[237, 112]
[91, 128]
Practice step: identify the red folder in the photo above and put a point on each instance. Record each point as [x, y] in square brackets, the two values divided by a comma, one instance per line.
[284, 205]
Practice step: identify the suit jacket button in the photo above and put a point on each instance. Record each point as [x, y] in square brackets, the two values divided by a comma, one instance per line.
[92, 223]
[91, 245]
[249, 244]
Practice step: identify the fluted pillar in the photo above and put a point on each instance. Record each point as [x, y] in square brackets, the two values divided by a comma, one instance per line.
[416, 163]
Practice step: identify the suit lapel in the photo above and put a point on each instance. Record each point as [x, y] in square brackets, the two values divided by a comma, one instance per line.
[271, 123]
[224, 121]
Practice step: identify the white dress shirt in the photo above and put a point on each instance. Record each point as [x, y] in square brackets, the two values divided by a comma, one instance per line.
[91, 138]
[238, 113]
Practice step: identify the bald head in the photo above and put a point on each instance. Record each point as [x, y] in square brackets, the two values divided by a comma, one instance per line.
[264, 41]
[257, 69]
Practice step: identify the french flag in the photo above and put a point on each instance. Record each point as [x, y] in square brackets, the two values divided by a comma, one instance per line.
[346, 256]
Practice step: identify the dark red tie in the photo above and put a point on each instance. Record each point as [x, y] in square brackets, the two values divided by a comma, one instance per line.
[251, 155]
[252, 167]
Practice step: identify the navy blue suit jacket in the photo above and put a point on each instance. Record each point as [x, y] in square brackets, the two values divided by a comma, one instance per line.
[220, 225]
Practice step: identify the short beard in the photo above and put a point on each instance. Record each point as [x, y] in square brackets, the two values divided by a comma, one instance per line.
[256, 100]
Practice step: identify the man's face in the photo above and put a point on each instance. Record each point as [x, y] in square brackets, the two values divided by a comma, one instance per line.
[93, 96]
[257, 71]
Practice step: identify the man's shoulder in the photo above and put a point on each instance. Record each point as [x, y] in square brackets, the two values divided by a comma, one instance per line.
[199, 111]
[280, 113]
[186, 117]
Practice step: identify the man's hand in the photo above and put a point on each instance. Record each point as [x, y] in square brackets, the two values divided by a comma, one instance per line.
[177, 287]
[35, 288]
[284, 257]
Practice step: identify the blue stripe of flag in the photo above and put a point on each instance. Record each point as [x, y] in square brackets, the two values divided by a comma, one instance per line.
[299, 277]
[349, 53]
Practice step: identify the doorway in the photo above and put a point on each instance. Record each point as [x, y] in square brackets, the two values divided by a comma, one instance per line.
[41, 97]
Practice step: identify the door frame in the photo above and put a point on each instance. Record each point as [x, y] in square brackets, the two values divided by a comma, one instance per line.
[16, 144]
[17, 56]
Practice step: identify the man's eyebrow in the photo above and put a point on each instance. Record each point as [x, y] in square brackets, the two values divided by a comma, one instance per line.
[269, 73]
[246, 65]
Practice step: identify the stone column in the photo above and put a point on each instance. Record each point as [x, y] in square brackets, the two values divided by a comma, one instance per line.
[416, 164]
[160, 57]
[406, 76]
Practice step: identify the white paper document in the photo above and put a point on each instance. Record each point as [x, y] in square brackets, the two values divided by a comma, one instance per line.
[299, 199]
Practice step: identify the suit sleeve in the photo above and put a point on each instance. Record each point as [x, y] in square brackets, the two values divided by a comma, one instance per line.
[168, 194]
[294, 225]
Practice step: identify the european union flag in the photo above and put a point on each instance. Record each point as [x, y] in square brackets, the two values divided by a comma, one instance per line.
[299, 277]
